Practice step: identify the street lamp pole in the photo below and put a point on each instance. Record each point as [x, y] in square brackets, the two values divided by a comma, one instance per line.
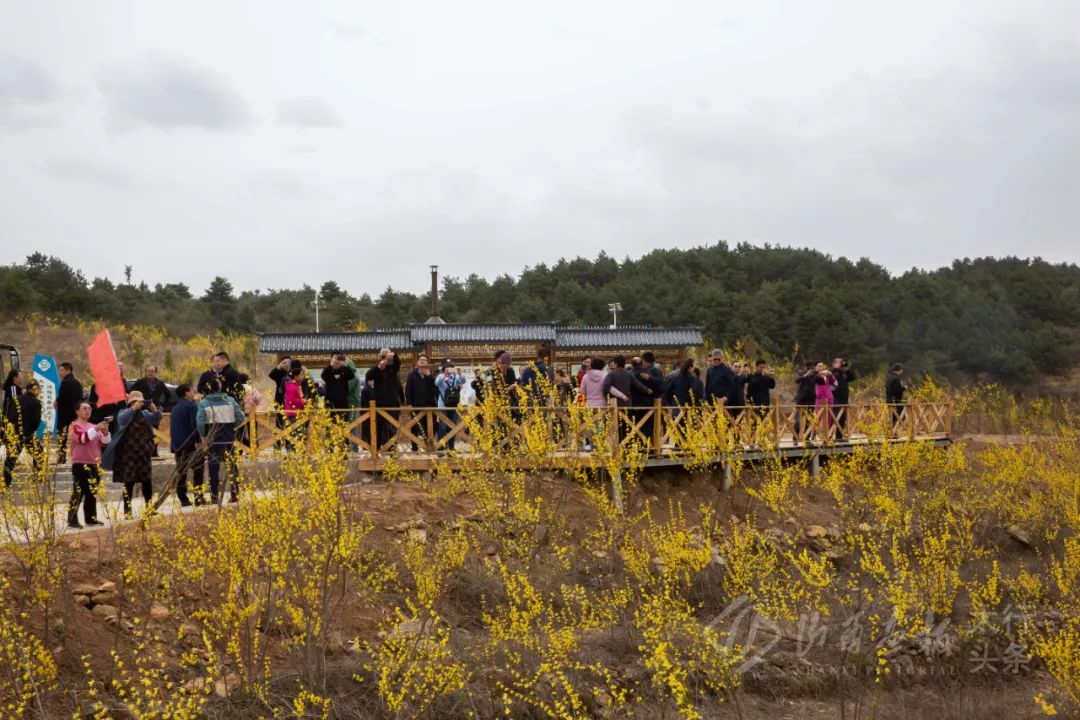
[614, 308]
[316, 302]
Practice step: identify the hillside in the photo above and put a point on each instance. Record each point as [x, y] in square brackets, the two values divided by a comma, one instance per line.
[1008, 319]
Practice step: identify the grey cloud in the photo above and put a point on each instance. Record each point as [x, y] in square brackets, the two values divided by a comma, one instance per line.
[89, 170]
[307, 112]
[974, 157]
[27, 91]
[170, 93]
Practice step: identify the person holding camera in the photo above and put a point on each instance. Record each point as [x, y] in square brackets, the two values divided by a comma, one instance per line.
[825, 383]
[805, 397]
[449, 384]
[386, 388]
[842, 392]
[758, 385]
[131, 451]
[736, 401]
[85, 443]
[336, 377]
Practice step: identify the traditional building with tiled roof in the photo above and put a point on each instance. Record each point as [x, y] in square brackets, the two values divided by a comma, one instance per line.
[473, 344]
[476, 344]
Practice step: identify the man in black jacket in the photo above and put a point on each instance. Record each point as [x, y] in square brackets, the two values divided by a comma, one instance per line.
[842, 392]
[894, 393]
[421, 392]
[805, 396]
[719, 379]
[152, 387]
[386, 388]
[68, 397]
[758, 386]
[221, 374]
[651, 377]
[736, 401]
[336, 377]
[279, 375]
[626, 383]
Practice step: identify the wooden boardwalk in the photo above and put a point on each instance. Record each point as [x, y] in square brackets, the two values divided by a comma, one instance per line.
[420, 438]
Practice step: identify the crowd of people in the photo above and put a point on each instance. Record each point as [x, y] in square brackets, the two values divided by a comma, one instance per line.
[120, 436]
[206, 421]
[635, 383]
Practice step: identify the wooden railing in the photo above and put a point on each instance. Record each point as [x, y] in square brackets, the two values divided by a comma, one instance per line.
[661, 430]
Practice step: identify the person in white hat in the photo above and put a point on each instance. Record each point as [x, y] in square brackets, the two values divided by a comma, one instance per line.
[129, 454]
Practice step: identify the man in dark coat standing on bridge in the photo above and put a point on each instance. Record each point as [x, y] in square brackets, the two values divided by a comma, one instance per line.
[386, 387]
[336, 377]
[421, 392]
[719, 380]
[758, 386]
[652, 377]
[894, 393]
[842, 392]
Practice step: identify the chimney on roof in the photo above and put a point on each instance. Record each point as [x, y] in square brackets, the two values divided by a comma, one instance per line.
[434, 319]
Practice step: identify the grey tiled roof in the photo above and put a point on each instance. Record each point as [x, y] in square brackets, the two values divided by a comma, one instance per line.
[486, 332]
[631, 336]
[560, 336]
[335, 342]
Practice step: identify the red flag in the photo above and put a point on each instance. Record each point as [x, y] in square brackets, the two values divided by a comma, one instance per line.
[106, 371]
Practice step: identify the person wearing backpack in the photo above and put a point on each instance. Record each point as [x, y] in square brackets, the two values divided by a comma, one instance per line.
[217, 419]
[449, 384]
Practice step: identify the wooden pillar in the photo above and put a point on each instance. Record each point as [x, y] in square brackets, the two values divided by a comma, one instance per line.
[613, 446]
[815, 464]
[657, 440]
[728, 475]
[373, 431]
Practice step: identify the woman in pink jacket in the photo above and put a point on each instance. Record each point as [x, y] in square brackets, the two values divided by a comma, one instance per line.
[825, 384]
[294, 394]
[85, 441]
[293, 402]
[592, 388]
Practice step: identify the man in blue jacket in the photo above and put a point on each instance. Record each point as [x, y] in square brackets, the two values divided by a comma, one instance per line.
[184, 436]
[218, 418]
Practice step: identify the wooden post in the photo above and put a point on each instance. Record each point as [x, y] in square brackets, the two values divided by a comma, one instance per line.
[815, 464]
[657, 427]
[727, 483]
[373, 430]
[613, 445]
[948, 419]
[776, 423]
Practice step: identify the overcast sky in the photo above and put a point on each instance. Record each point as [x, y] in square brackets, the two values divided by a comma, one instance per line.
[279, 143]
